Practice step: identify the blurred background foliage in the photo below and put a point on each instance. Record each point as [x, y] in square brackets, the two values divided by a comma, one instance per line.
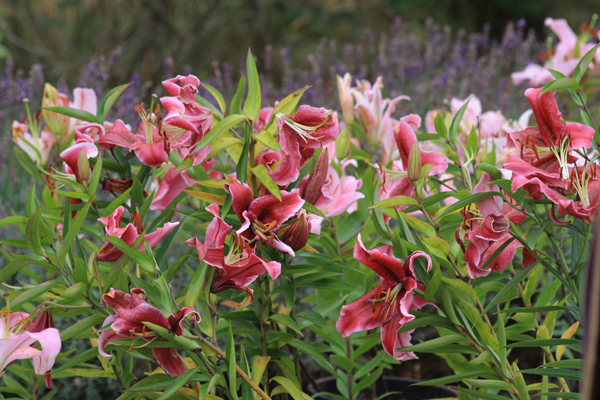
[64, 35]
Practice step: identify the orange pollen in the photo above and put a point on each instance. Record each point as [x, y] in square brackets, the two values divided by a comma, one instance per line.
[270, 226]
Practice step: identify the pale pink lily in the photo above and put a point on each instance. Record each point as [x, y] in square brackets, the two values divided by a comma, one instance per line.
[374, 110]
[83, 143]
[37, 148]
[345, 96]
[18, 333]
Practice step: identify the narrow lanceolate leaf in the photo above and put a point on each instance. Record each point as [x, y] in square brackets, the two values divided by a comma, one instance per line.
[252, 104]
[16, 265]
[33, 233]
[289, 387]
[395, 201]
[178, 383]
[465, 202]
[15, 219]
[546, 342]
[74, 228]
[286, 105]
[267, 139]
[95, 176]
[34, 292]
[555, 372]
[195, 286]
[584, 63]
[481, 395]
[434, 285]
[432, 344]
[508, 287]
[82, 326]
[180, 341]
[230, 356]
[262, 173]
[75, 113]
[217, 95]
[453, 132]
[208, 197]
[440, 126]
[241, 170]
[235, 106]
[109, 100]
[142, 259]
[223, 126]
[450, 379]
[560, 84]
[560, 350]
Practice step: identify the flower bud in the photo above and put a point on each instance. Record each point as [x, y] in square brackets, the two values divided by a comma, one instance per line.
[414, 162]
[83, 167]
[311, 192]
[42, 321]
[295, 234]
[346, 100]
[52, 98]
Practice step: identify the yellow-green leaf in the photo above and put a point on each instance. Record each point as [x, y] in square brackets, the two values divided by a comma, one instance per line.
[208, 197]
[262, 173]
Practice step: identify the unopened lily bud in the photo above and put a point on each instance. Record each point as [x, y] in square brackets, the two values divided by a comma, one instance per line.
[83, 166]
[342, 144]
[311, 192]
[57, 123]
[42, 321]
[346, 99]
[414, 162]
[295, 234]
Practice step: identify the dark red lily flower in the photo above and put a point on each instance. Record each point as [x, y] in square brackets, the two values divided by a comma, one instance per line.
[240, 266]
[388, 305]
[262, 217]
[487, 230]
[299, 136]
[133, 309]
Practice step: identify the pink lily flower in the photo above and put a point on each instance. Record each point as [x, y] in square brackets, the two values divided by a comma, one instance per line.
[37, 148]
[584, 181]
[263, 118]
[299, 136]
[473, 110]
[546, 151]
[487, 230]
[240, 266]
[262, 217]
[83, 143]
[17, 335]
[375, 111]
[129, 234]
[345, 96]
[133, 309]
[388, 305]
[170, 187]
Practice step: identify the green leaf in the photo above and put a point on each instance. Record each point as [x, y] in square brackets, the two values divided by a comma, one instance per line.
[268, 140]
[75, 113]
[419, 225]
[286, 105]
[262, 173]
[289, 386]
[183, 342]
[32, 233]
[433, 285]
[230, 357]
[535, 309]
[15, 266]
[207, 197]
[235, 107]
[557, 373]
[488, 384]
[560, 84]
[450, 379]
[313, 316]
[109, 100]
[490, 169]
[454, 126]
[218, 96]
[82, 326]
[465, 202]
[95, 180]
[195, 286]
[285, 320]
[223, 126]
[481, 395]
[113, 205]
[440, 126]
[142, 259]
[74, 228]
[15, 219]
[241, 170]
[546, 342]
[307, 348]
[34, 292]
[432, 344]
[562, 395]
[394, 202]
[508, 287]
[178, 383]
[313, 210]
[584, 63]
[252, 103]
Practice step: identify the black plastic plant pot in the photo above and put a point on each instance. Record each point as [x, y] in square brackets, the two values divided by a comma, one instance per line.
[402, 387]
